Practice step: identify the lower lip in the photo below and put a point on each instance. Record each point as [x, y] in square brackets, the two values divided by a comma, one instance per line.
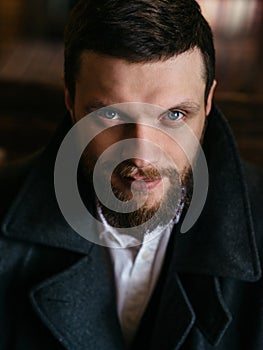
[142, 185]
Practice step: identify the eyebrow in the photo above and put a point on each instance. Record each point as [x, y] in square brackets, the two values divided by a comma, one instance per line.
[188, 106]
[96, 105]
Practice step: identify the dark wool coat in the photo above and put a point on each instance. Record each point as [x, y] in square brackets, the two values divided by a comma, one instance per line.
[56, 292]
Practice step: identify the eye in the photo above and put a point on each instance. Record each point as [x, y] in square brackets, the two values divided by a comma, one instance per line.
[175, 115]
[172, 118]
[108, 114]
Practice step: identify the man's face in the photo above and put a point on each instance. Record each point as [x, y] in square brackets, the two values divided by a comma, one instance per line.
[168, 95]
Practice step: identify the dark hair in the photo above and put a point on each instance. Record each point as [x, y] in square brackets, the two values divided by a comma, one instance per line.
[137, 31]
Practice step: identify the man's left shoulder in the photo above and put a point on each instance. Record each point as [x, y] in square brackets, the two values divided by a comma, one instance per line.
[254, 180]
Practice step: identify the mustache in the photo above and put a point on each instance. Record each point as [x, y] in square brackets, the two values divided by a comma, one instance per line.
[126, 169]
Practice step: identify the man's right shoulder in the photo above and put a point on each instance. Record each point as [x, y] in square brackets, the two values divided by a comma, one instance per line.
[12, 176]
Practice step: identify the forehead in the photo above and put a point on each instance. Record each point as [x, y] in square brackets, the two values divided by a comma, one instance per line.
[116, 80]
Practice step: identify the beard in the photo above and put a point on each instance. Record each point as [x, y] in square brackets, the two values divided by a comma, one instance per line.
[151, 215]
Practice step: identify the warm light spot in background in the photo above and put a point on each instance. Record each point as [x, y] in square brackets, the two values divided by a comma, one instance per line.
[231, 17]
[237, 27]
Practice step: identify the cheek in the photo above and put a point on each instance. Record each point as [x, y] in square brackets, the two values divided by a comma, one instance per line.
[199, 130]
[172, 154]
[198, 125]
[103, 144]
[98, 146]
[183, 148]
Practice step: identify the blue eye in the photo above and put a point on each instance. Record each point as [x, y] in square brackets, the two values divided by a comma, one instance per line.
[175, 115]
[110, 114]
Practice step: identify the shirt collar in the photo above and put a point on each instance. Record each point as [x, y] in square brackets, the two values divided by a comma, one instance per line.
[113, 238]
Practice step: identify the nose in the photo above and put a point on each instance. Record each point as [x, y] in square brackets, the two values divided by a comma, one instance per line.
[143, 149]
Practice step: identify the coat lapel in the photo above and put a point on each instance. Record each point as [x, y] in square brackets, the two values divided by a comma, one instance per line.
[78, 305]
[212, 314]
[175, 317]
[180, 302]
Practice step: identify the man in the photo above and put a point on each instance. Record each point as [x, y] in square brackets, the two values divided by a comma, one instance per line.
[139, 85]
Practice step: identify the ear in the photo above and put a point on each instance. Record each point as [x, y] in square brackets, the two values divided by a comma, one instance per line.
[210, 98]
[68, 102]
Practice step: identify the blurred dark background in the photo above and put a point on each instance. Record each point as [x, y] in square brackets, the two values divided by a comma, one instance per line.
[31, 66]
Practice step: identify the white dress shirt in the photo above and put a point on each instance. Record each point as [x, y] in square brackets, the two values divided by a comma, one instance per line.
[136, 271]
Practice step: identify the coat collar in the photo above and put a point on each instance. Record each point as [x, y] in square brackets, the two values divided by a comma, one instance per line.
[35, 216]
[221, 243]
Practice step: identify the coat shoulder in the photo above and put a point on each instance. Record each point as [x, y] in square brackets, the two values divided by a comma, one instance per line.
[254, 180]
[12, 176]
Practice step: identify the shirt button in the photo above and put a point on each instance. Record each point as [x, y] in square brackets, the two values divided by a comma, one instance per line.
[146, 254]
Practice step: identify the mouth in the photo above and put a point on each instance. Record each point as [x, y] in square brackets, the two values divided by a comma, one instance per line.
[140, 183]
